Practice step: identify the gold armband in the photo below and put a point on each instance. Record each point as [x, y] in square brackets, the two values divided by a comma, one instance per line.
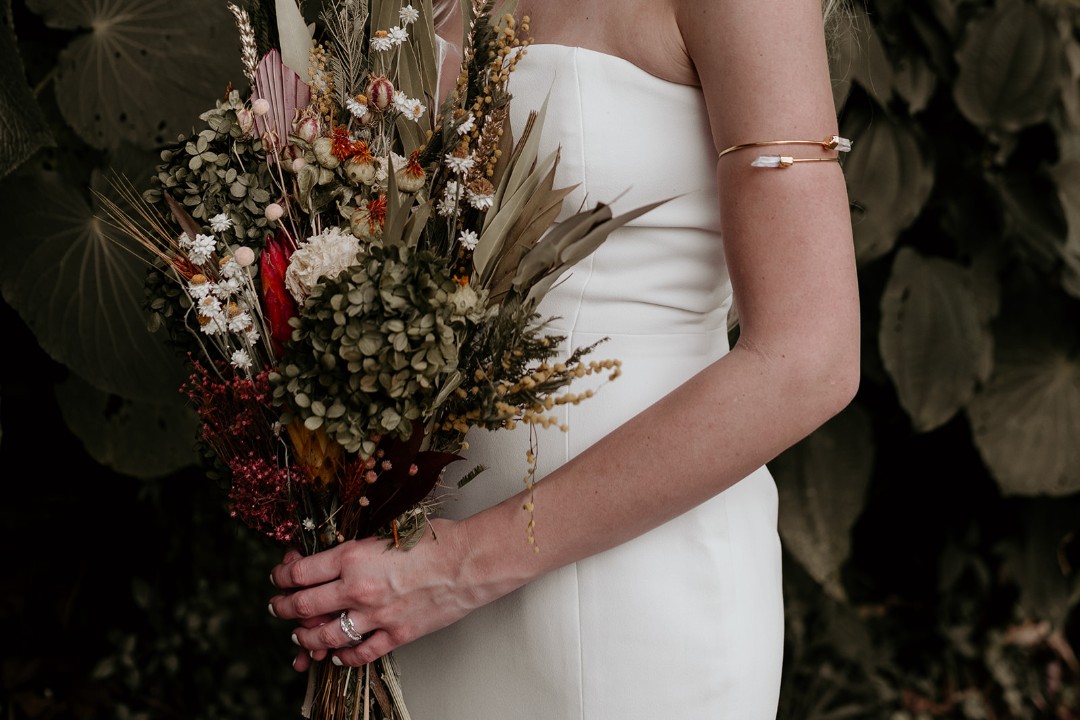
[834, 142]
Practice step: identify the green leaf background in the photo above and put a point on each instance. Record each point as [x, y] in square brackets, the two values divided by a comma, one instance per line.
[927, 529]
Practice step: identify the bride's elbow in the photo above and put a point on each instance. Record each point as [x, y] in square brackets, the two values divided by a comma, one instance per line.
[833, 376]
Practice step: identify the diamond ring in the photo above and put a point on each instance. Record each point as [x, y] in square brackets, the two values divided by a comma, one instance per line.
[348, 628]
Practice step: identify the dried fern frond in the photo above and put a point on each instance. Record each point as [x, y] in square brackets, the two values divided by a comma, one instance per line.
[345, 22]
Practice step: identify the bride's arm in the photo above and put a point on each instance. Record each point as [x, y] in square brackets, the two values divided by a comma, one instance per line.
[788, 245]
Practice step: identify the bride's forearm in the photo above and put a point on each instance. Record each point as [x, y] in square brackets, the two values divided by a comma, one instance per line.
[718, 427]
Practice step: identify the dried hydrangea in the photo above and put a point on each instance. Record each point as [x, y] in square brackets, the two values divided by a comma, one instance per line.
[379, 341]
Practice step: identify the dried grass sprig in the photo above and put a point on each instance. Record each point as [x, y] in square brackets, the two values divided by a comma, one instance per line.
[249, 54]
[144, 223]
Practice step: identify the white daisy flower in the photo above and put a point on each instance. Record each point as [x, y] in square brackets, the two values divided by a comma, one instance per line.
[251, 336]
[448, 203]
[459, 165]
[413, 109]
[398, 35]
[241, 360]
[468, 239]
[308, 524]
[228, 287]
[231, 269]
[210, 307]
[215, 325]
[200, 289]
[357, 109]
[480, 201]
[240, 323]
[381, 42]
[409, 14]
[467, 127]
[446, 206]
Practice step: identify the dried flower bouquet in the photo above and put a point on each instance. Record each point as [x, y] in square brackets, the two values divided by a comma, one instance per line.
[352, 270]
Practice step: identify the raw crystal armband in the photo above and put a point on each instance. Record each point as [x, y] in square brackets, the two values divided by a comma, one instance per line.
[834, 142]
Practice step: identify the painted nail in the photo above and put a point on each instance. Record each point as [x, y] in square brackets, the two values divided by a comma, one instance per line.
[272, 580]
[294, 662]
[270, 607]
[336, 660]
[295, 640]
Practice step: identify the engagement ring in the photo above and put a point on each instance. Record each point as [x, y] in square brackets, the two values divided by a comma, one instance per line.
[348, 628]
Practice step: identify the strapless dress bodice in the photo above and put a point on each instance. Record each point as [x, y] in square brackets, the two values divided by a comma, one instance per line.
[628, 138]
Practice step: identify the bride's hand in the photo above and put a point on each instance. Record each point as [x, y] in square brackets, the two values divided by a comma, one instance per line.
[392, 596]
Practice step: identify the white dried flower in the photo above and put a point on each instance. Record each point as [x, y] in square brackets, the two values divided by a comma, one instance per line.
[321, 256]
[201, 248]
[356, 108]
[241, 360]
[398, 35]
[412, 109]
[481, 201]
[459, 165]
[468, 239]
[220, 222]
[381, 41]
[447, 206]
[409, 14]
[467, 126]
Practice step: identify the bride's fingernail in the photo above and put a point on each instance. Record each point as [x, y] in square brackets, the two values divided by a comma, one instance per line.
[270, 607]
[272, 580]
[336, 660]
[294, 662]
[296, 641]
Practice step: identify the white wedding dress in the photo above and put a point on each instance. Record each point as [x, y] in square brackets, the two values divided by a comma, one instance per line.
[685, 621]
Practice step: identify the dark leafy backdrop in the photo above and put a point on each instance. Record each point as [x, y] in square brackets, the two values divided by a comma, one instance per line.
[930, 529]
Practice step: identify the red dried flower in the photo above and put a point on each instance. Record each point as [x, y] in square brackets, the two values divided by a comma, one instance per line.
[278, 303]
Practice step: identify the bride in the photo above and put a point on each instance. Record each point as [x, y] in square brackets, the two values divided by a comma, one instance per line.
[656, 589]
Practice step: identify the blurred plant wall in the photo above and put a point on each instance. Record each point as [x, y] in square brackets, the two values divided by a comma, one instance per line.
[930, 529]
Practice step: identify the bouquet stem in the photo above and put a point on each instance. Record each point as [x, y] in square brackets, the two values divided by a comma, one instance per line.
[372, 692]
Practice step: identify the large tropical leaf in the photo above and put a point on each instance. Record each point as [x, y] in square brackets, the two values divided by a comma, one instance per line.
[1034, 215]
[889, 179]
[1067, 176]
[934, 341]
[1010, 66]
[143, 70]
[140, 439]
[23, 129]
[1049, 588]
[822, 483]
[79, 292]
[1025, 419]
